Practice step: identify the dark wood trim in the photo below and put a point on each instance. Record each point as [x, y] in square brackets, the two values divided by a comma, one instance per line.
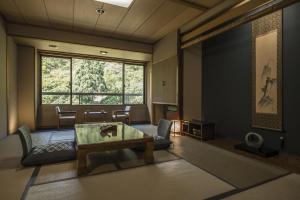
[123, 83]
[145, 86]
[216, 15]
[71, 80]
[180, 76]
[230, 15]
[250, 16]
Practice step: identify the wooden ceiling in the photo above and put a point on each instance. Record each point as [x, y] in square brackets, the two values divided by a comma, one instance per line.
[145, 20]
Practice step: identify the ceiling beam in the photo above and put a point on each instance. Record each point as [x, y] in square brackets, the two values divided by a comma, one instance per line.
[191, 4]
[230, 15]
[38, 32]
[261, 11]
[209, 15]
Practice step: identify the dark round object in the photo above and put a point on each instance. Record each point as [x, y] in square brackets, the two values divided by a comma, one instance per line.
[254, 140]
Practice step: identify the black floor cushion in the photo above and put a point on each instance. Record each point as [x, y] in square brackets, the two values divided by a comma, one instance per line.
[50, 153]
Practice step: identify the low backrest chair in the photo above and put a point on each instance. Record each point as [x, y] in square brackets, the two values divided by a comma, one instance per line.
[121, 115]
[164, 128]
[162, 138]
[64, 116]
[44, 154]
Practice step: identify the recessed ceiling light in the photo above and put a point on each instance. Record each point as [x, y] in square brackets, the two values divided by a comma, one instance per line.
[53, 46]
[100, 11]
[103, 52]
[122, 3]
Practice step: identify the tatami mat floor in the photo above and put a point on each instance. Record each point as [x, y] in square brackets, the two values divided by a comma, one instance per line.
[202, 171]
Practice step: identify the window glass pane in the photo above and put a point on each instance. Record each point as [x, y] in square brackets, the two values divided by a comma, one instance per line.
[94, 76]
[55, 99]
[94, 82]
[55, 74]
[97, 99]
[134, 84]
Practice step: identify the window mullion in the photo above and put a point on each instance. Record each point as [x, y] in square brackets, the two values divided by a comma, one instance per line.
[123, 83]
[71, 81]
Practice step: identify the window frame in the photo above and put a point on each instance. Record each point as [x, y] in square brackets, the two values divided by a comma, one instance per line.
[71, 57]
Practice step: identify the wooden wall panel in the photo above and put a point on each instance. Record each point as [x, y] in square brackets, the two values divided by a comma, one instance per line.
[3, 98]
[12, 85]
[165, 81]
[192, 83]
[26, 86]
[165, 48]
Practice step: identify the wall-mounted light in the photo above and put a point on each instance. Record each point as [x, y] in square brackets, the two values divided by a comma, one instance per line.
[103, 52]
[53, 46]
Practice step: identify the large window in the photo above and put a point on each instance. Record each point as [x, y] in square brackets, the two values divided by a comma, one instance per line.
[81, 81]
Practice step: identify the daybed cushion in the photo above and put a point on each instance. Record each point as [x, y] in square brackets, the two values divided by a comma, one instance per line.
[50, 153]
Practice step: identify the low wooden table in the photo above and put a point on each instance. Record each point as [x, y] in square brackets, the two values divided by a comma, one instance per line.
[90, 138]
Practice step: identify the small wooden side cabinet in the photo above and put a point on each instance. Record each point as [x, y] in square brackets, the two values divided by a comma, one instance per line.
[202, 130]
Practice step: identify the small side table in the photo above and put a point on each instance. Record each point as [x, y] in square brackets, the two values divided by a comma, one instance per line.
[88, 114]
[202, 130]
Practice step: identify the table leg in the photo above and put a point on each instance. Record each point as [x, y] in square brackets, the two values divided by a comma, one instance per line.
[148, 155]
[81, 162]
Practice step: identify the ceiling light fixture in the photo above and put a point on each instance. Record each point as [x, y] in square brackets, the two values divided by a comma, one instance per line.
[100, 11]
[122, 3]
[53, 46]
[103, 52]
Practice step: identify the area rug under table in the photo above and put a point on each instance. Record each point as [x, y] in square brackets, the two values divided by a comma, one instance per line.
[99, 163]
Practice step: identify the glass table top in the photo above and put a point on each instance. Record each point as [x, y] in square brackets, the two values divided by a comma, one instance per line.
[94, 133]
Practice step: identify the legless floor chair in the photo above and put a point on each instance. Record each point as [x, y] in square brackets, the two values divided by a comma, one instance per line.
[44, 154]
[162, 139]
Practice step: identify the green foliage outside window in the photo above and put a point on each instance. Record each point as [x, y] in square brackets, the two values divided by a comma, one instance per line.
[94, 82]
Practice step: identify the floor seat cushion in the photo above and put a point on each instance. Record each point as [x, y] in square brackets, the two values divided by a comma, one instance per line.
[162, 144]
[50, 153]
[44, 154]
[159, 144]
